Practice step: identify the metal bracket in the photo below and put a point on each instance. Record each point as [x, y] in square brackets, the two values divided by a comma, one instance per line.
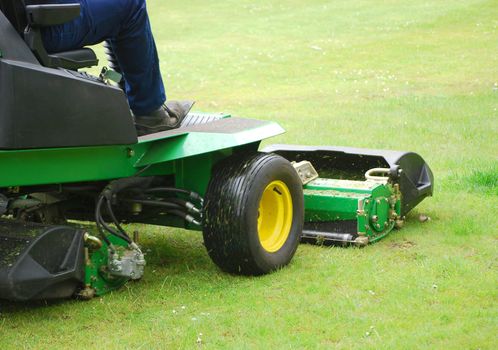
[129, 264]
[108, 75]
[306, 171]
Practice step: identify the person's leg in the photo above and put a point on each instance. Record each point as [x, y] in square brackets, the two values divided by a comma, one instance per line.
[125, 24]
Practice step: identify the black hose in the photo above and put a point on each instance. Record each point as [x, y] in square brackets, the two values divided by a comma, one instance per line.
[191, 208]
[191, 194]
[174, 206]
[110, 229]
[97, 216]
[179, 213]
[101, 224]
[155, 203]
[179, 201]
[116, 222]
[168, 189]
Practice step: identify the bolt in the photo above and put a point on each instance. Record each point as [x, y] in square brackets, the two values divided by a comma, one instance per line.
[361, 241]
[399, 224]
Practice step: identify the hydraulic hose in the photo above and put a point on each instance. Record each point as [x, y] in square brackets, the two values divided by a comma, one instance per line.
[174, 206]
[150, 202]
[192, 195]
[99, 225]
[171, 208]
[102, 225]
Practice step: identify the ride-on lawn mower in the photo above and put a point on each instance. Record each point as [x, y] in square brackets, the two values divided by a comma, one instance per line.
[69, 151]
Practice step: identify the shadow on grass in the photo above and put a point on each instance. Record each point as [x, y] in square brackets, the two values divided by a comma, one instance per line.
[173, 255]
[177, 262]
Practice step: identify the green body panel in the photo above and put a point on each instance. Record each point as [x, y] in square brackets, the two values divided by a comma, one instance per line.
[330, 205]
[193, 143]
[375, 206]
[161, 154]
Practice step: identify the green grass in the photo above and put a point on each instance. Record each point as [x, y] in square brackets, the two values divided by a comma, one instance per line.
[408, 75]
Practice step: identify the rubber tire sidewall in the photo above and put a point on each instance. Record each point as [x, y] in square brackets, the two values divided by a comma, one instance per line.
[265, 260]
[240, 181]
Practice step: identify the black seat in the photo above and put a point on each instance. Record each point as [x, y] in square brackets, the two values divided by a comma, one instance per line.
[40, 16]
[29, 20]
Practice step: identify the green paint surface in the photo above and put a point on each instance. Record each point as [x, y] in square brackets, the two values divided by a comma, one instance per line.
[62, 165]
[374, 206]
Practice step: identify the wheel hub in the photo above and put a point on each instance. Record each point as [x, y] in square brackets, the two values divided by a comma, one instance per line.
[274, 216]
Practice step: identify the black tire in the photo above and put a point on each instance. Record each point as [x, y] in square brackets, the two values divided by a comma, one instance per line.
[232, 210]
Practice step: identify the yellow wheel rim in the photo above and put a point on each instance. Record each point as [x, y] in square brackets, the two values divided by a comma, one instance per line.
[274, 216]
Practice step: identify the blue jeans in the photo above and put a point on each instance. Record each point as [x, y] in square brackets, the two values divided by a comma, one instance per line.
[126, 25]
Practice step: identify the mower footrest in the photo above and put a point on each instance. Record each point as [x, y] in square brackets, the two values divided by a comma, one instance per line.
[202, 118]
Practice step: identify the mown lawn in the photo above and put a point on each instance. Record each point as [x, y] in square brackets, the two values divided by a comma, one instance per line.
[407, 75]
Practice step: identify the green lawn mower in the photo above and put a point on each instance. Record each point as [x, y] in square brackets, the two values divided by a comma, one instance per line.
[69, 152]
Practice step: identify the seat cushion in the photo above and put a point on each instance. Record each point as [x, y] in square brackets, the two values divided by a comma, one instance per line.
[74, 59]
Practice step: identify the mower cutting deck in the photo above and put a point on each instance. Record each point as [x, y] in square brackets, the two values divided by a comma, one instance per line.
[359, 195]
[69, 153]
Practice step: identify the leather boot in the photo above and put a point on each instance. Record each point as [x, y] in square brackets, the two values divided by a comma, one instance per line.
[168, 116]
